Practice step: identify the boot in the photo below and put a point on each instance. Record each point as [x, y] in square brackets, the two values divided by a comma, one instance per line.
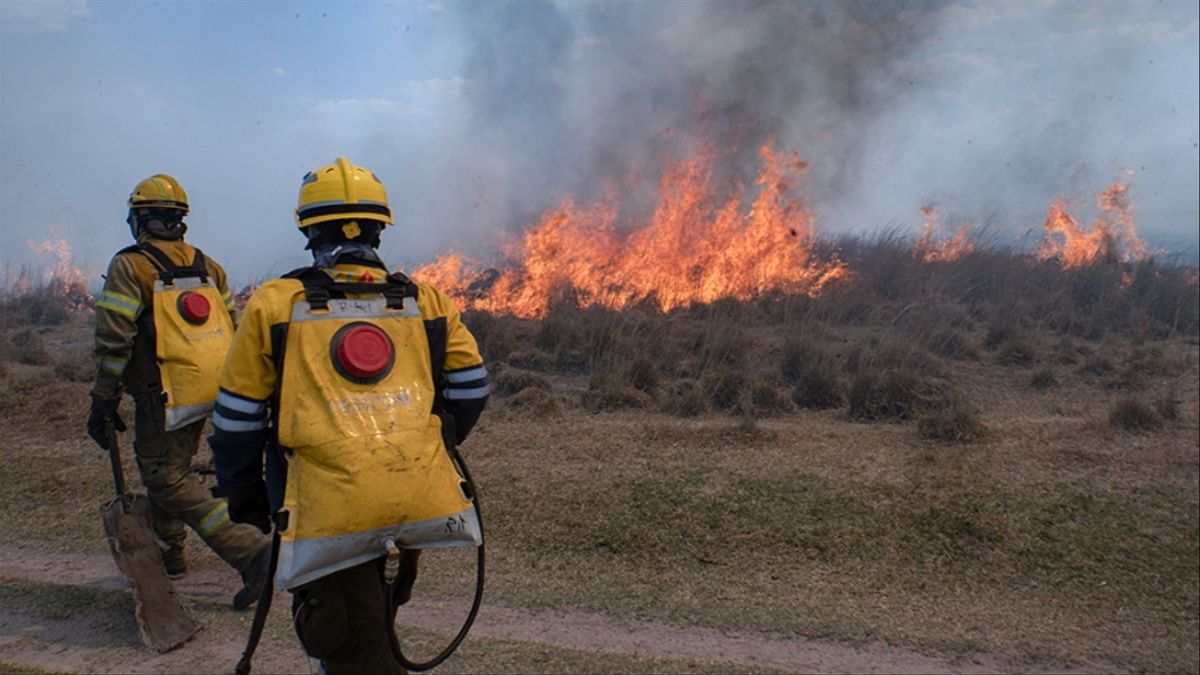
[174, 562]
[254, 579]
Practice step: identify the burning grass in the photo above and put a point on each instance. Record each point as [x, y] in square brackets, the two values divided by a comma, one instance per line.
[704, 465]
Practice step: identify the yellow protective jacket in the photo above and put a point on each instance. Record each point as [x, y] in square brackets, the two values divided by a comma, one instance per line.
[125, 342]
[350, 395]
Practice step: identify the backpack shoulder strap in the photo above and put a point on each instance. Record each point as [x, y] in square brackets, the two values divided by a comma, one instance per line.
[168, 271]
[319, 287]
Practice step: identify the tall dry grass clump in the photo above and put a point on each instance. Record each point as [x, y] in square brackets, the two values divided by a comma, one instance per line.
[878, 344]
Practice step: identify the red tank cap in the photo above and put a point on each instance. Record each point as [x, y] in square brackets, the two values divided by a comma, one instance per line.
[363, 351]
[194, 307]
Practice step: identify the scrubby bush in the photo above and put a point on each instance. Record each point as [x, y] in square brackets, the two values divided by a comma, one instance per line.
[45, 306]
[957, 424]
[643, 375]
[767, 400]
[27, 346]
[951, 344]
[509, 381]
[1043, 379]
[893, 394]
[611, 391]
[17, 391]
[1067, 353]
[74, 370]
[1167, 407]
[818, 387]
[1096, 365]
[685, 398]
[1016, 351]
[799, 353]
[1133, 414]
[1126, 379]
[724, 388]
[534, 401]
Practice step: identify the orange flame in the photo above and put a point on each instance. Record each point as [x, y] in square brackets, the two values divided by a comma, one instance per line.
[1111, 237]
[944, 250]
[694, 248]
[62, 278]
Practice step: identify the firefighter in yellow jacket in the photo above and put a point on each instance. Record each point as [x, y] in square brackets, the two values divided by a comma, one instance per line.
[353, 383]
[164, 322]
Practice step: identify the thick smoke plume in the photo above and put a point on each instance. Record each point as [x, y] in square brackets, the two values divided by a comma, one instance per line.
[570, 102]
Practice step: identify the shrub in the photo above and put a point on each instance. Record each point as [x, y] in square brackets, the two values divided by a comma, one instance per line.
[818, 387]
[892, 394]
[951, 344]
[685, 399]
[766, 400]
[1167, 407]
[27, 346]
[643, 375]
[1127, 378]
[998, 332]
[15, 395]
[724, 388]
[510, 381]
[532, 360]
[722, 344]
[497, 336]
[74, 371]
[1096, 365]
[1016, 351]
[535, 401]
[799, 353]
[1132, 414]
[957, 424]
[1066, 353]
[608, 391]
[45, 306]
[1043, 379]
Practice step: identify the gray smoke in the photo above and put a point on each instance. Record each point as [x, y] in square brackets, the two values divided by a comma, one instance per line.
[991, 110]
[569, 102]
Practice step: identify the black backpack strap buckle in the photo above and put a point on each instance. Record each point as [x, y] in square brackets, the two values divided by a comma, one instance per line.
[317, 297]
[394, 296]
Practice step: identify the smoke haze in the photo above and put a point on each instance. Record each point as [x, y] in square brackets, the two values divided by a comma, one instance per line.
[478, 117]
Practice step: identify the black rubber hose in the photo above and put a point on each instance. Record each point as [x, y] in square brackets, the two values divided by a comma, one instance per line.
[261, 611]
[394, 642]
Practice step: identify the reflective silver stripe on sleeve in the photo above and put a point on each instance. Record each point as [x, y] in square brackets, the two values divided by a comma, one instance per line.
[239, 404]
[476, 373]
[120, 303]
[225, 424]
[459, 394]
[113, 364]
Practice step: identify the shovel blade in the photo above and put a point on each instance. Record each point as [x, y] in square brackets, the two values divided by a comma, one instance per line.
[162, 619]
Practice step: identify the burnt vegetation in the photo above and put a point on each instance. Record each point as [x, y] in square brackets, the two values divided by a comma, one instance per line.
[880, 347]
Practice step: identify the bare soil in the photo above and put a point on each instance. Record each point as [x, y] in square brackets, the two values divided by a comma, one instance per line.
[85, 641]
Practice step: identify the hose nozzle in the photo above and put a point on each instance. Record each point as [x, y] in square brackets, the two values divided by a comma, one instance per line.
[391, 567]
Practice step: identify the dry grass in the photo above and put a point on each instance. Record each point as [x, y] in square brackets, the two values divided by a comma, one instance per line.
[663, 467]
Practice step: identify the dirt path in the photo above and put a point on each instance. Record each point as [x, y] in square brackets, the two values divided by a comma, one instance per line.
[83, 642]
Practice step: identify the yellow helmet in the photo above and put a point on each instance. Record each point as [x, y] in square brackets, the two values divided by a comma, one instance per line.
[341, 191]
[159, 191]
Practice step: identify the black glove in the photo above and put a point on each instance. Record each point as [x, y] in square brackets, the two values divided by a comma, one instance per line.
[104, 410]
[251, 507]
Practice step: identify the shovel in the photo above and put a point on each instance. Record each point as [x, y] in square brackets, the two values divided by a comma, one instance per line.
[163, 621]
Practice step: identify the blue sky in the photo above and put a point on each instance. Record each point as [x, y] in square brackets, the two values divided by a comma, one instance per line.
[477, 116]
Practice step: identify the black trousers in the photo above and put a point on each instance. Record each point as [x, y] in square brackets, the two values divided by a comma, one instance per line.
[341, 618]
